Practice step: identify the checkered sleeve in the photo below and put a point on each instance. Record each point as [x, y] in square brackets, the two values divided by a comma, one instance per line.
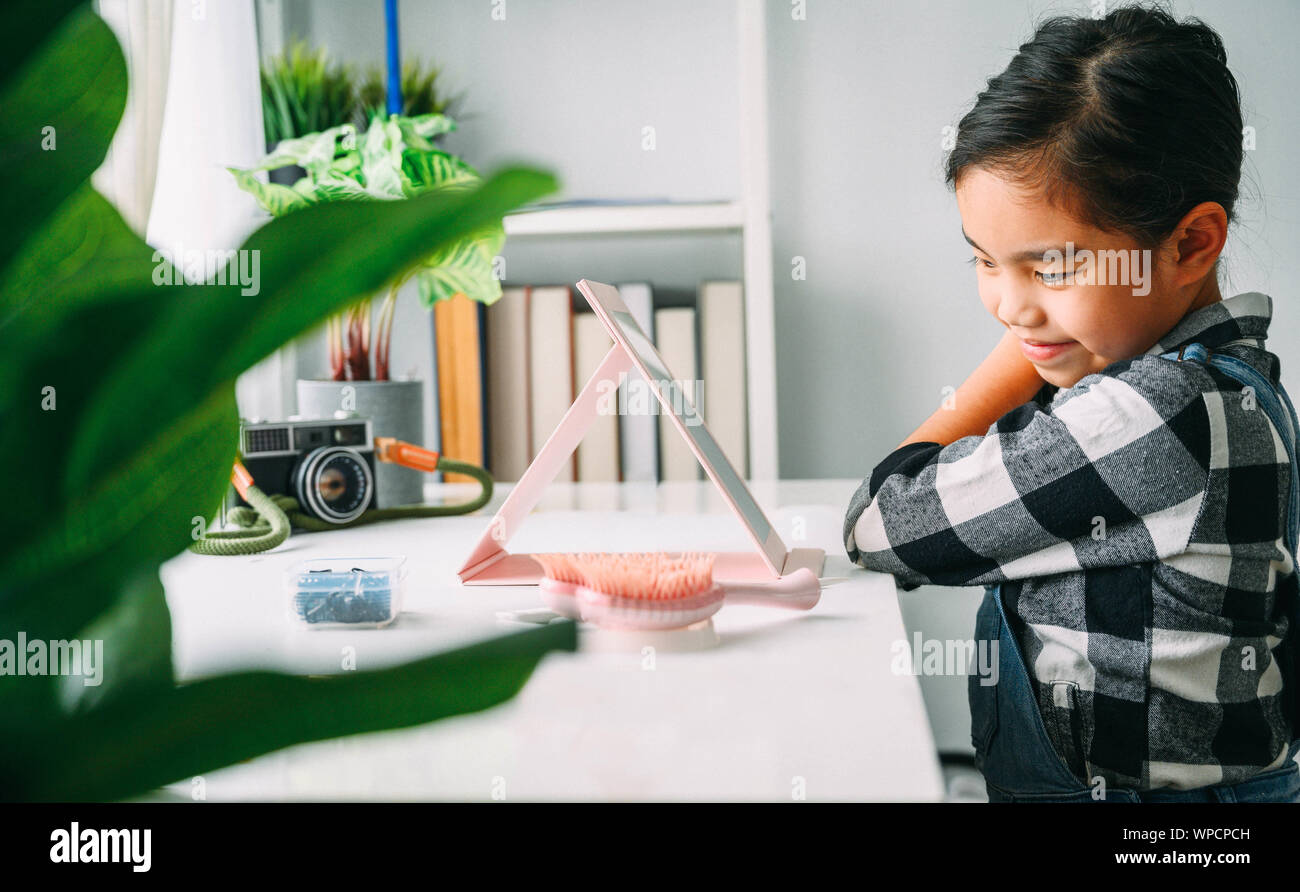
[1112, 472]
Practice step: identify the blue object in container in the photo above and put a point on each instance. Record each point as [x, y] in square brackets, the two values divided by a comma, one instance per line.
[351, 592]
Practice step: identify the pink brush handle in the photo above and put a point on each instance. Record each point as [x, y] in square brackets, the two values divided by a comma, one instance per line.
[800, 590]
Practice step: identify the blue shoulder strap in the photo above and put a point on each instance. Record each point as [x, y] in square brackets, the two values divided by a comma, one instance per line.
[1277, 404]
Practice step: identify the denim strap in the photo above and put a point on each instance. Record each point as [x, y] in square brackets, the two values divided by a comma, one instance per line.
[1277, 406]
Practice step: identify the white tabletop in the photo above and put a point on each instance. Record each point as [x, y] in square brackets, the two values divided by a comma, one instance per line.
[787, 705]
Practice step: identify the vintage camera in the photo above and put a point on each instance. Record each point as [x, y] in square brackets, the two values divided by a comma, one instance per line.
[328, 465]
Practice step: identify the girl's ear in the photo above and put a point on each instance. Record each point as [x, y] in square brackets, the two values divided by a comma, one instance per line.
[1197, 241]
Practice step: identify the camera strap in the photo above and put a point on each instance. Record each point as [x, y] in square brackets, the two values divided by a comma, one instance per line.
[266, 521]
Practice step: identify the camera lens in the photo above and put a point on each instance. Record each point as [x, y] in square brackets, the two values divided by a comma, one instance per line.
[333, 483]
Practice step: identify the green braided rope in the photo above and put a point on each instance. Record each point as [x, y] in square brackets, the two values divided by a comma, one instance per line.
[265, 521]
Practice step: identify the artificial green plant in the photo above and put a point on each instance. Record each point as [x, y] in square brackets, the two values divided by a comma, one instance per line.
[304, 91]
[421, 94]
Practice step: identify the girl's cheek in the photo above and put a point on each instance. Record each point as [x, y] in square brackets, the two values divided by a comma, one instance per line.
[1104, 324]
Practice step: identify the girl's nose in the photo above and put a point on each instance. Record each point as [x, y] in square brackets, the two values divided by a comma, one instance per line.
[1017, 309]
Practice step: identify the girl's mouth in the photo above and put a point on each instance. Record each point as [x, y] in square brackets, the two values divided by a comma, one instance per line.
[1043, 352]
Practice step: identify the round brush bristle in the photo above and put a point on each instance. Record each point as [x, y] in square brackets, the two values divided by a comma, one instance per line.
[648, 576]
[560, 567]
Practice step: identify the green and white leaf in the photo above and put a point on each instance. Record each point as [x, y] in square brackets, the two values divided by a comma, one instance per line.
[313, 152]
[274, 198]
[463, 268]
[420, 131]
[435, 169]
[381, 159]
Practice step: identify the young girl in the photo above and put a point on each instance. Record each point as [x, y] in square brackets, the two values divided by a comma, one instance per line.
[1118, 473]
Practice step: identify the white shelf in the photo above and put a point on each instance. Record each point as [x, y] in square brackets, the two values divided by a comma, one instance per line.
[632, 218]
[750, 215]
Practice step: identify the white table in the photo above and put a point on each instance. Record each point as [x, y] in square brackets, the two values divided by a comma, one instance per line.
[787, 705]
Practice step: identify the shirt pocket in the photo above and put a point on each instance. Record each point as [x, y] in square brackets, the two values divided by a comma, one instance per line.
[1069, 727]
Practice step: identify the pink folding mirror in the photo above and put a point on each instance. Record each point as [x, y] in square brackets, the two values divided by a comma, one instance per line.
[491, 564]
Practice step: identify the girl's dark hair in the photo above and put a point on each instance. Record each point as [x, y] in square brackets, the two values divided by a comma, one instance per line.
[1129, 121]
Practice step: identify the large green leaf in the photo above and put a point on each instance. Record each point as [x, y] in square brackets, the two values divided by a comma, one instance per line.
[139, 662]
[27, 27]
[138, 515]
[120, 422]
[146, 740]
[71, 305]
[72, 91]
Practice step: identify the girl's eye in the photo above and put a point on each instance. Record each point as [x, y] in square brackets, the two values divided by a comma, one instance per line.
[1060, 278]
[987, 264]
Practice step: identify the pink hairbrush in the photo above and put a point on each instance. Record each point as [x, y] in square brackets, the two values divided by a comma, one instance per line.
[654, 590]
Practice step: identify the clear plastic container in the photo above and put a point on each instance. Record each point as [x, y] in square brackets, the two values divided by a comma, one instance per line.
[352, 593]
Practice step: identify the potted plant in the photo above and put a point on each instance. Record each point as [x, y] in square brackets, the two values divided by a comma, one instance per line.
[421, 94]
[394, 158]
[303, 92]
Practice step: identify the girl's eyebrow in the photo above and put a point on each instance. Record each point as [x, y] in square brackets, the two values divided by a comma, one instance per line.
[1028, 254]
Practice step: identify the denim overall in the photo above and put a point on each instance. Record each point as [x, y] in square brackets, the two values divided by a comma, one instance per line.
[1012, 748]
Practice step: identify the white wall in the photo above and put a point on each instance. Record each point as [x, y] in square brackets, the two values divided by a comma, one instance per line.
[860, 92]
[889, 314]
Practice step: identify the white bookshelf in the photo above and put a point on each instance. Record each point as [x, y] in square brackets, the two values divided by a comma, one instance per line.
[750, 215]
[638, 218]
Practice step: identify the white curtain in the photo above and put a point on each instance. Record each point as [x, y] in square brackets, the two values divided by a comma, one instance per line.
[194, 109]
[212, 120]
[127, 176]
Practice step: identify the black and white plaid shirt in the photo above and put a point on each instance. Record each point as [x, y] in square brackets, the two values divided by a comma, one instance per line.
[1138, 523]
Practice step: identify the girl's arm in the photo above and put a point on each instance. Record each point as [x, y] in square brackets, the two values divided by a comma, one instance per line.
[1129, 450]
[1003, 381]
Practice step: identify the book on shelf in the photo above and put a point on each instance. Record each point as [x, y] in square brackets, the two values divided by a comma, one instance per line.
[676, 341]
[638, 434]
[458, 327]
[510, 448]
[550, 363]
[597, 453]
[536, 351]
[721, 312]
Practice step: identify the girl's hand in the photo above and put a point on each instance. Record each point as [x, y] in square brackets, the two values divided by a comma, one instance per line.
[1003, 381]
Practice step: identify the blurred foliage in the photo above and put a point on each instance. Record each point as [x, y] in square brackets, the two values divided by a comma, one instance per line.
[421, 94]
[118, 402]
[303, 91]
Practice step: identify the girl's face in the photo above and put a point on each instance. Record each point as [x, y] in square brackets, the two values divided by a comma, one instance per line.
[1079, 298]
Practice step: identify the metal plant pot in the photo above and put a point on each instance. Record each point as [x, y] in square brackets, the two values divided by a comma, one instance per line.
[395, 409]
